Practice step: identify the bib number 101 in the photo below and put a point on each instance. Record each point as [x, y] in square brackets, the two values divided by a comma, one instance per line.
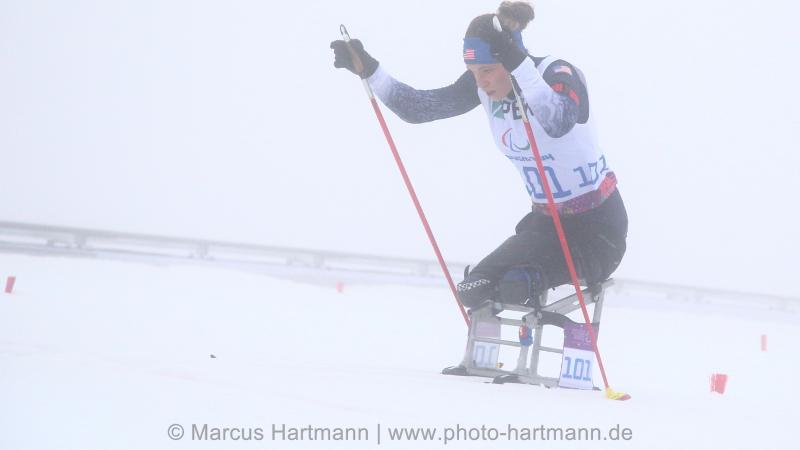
[579, 369]
[576, 369]
[589, 175]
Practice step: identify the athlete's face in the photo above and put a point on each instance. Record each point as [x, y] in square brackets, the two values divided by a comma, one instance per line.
[492, 78]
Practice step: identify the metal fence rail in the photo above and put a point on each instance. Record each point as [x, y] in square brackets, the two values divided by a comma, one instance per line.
[325, 266]
[297, 263]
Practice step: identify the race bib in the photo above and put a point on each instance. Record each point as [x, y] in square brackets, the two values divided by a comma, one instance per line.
[577, 363]
[485, 354]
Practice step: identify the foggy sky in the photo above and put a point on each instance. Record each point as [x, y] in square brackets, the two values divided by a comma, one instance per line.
[226, 120]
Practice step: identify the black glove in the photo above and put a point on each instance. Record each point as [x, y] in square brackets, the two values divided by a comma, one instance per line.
[504, 49]
[343, 59]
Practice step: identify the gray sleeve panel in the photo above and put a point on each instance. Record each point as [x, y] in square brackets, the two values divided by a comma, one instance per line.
[557, 114]
[419, 106]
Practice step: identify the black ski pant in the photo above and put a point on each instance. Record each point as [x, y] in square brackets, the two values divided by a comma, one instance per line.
[596, 239]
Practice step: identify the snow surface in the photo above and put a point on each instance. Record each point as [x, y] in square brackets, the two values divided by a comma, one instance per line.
[107, 355]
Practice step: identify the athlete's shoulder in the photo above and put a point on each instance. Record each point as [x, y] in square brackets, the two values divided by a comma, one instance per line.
[565, 78]
[555, 66]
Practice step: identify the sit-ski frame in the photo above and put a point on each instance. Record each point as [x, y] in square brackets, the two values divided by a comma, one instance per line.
[524, 372]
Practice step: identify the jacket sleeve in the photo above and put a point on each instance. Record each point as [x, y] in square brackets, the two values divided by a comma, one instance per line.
[558, 99]
[419, 106]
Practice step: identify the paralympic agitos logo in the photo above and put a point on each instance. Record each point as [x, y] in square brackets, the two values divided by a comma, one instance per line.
[508, 142]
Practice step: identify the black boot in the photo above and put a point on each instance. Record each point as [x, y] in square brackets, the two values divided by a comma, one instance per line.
[475, 289]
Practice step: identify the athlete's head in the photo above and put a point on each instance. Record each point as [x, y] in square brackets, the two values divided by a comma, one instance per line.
[489, 74]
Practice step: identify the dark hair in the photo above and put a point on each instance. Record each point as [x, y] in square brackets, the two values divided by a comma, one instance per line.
[518, 14]
[521, 13]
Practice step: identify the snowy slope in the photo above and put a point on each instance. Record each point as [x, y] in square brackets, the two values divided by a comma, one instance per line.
[107, 355]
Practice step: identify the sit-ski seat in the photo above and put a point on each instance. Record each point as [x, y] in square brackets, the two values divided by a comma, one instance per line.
[486, 322]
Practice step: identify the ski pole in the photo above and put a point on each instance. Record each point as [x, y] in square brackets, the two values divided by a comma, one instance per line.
[551, 206]
[359, 67]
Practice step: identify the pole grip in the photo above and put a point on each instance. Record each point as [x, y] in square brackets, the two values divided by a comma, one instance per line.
[357, 64]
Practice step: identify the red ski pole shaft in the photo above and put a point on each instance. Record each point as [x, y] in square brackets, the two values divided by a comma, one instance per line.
[359, 68]
[551, 204]
[562, 238]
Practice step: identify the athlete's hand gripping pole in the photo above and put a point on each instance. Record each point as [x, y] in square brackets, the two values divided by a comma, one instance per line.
[359, 67]
[551, 204]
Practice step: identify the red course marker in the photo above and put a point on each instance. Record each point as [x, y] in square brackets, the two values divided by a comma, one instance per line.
[718, 382]
[10, 284]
